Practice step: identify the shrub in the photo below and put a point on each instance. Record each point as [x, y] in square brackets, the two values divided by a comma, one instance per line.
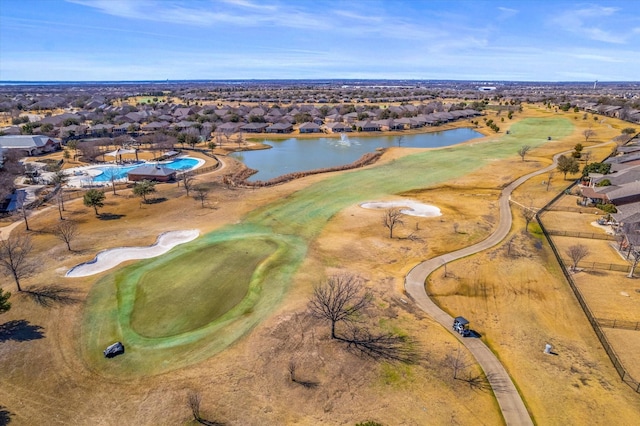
[607, 208]
[604, 182]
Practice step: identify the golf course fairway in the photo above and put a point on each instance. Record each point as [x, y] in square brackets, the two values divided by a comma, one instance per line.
[194, 301]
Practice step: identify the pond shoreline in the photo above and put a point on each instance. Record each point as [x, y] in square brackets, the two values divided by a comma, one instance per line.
[240, 179]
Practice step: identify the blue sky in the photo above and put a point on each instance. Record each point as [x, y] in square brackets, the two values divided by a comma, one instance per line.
[522, 40]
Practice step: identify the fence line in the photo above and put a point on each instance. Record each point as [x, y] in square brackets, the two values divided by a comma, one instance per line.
[589, 235]
[589, 210]
[598, 265]
[613, 323]
[617, 364]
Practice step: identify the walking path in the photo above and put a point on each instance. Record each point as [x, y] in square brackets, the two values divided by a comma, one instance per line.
[513, 409]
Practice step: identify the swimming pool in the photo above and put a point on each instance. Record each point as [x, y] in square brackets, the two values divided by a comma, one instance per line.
[120, 172]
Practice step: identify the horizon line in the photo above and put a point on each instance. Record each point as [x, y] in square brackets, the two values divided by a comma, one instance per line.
[313, 79]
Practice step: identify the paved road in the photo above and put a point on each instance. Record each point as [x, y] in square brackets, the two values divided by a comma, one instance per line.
[513, 409]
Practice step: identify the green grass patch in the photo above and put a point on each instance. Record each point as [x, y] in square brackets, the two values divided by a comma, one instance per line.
[396, 374]
[196, 288]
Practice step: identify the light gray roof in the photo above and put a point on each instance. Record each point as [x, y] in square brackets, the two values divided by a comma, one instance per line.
[308, 125]
[152, 170]
[622, 177]
[617, 192]
[24, 141]
[626, 212]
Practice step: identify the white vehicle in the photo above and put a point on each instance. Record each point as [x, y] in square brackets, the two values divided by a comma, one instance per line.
[461, 326]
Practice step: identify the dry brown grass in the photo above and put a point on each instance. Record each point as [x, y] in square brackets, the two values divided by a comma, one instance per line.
[517, 299]
[610, 295]
[627, 347]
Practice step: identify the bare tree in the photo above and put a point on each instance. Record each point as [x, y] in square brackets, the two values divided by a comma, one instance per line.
[21, 198]
[91, 150]
[111, 174]
[10, 170]
[458, 361]
[528, 213]
[523, 151]
[340, 299]
[66, 231]
[188, 180]
[636, 257]
[588, 133]
[14, 257]
[549, 177]
[392, 217]
[576, 253]
[227, 134]
[202, 194]
[510, 245]
[58, 180]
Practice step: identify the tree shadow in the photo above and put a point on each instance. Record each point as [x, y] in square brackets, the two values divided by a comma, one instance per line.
[155, 200]
[20, 331]
[481, 383]
[5, 416]
[48, 296]
[110, 216]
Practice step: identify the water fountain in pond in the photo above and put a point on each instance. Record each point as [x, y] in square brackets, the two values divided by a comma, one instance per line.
[344, 139]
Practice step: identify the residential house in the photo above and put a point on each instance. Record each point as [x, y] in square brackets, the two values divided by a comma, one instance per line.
[154, 126]
[337, 127]
[309, 128]
[280, 128]
[367, 126]
[254, 127]
[29, 144]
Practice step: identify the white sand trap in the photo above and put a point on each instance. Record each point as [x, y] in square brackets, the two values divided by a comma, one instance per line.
[107, 259]
[412, 208]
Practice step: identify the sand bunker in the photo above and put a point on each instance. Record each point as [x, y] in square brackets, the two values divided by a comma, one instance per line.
[412, 208]
[107, 259]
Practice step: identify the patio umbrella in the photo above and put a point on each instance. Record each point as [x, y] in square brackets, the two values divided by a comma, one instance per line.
[118, 152]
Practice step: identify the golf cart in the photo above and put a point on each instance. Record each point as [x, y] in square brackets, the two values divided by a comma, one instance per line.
[461, 326]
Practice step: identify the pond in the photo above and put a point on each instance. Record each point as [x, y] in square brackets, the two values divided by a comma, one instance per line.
[296, 155]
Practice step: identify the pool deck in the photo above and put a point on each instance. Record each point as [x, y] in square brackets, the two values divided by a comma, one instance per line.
[82, 177]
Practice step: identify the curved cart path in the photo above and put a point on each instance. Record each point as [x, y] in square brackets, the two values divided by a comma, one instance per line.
[511, 405]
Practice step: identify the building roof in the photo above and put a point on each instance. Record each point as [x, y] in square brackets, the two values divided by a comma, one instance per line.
[25, 141]
[152, 170]
[280, 126]
[624, 191]
[308, 125]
